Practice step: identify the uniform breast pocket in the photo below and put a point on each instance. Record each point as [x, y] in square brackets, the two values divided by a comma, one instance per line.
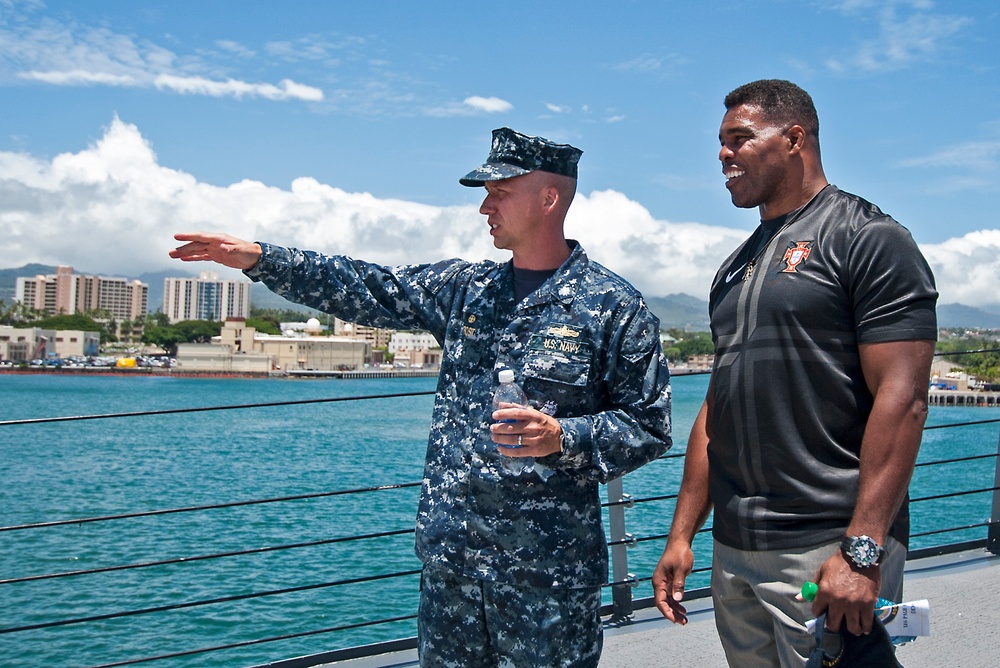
[556, 384]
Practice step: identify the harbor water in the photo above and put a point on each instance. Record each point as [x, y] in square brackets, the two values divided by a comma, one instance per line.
[72, 470]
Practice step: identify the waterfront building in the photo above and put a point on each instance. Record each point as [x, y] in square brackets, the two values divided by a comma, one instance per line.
[242, 348]
[30, 343]
[77, 343]
[66, 292]
[25, 344]
[205, 298]
[220, 358]
[415, 349]
[378, 337]
[314, 353]
[701, 361]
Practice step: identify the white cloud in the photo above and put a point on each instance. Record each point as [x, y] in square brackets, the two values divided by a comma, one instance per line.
[472, 106]
[113, 209]
[968, 166]
[68, 55]
[285, 90]
[976, 155]
[555, 108]
[908, 32]
[490, 105]
[80, 78]
[964, 266]
[235, 48]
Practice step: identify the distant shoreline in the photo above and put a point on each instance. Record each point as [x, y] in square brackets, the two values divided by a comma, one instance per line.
[308, 374]
[185, 373]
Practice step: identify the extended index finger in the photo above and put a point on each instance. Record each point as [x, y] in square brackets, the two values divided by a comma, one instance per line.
[197, 237]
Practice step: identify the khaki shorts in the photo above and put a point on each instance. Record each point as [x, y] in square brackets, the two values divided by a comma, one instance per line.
[760, 623]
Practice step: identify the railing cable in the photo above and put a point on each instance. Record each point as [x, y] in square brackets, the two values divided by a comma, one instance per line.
[259, 641]
[213, 601]
[171, 411]
[967, 352]
[204, 557]
[189, 509]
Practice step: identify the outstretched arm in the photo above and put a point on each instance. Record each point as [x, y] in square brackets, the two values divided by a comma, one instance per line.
[222, 248]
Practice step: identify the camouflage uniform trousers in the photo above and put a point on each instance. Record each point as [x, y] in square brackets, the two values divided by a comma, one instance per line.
[468, 623]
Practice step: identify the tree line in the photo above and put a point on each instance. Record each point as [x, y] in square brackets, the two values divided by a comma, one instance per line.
[976, 352]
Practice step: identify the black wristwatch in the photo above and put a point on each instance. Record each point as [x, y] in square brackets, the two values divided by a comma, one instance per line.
[863, 551]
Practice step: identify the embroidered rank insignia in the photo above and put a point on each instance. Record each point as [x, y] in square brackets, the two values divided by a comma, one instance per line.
[469, 330]
[564, 331]
[795, 256]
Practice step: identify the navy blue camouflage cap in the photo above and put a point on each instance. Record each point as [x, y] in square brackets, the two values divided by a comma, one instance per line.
[514, 154]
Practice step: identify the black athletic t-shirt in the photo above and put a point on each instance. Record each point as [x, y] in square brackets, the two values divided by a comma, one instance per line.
[790, 400]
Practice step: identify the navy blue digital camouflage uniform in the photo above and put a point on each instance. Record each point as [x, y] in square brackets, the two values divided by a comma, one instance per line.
[586, 350]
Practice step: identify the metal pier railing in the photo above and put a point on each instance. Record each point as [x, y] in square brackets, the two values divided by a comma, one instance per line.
[955, 517]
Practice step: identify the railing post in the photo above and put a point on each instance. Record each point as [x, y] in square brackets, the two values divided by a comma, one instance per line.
[993, 533]
[621, 594]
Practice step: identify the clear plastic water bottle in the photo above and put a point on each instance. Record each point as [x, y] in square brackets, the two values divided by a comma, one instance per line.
[885, 610]
[509, 392]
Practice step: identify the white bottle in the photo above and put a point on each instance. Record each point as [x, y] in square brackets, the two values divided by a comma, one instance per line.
[509, 392]
[903, 621]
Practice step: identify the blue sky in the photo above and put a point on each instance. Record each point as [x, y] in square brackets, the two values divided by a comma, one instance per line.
[344, 126]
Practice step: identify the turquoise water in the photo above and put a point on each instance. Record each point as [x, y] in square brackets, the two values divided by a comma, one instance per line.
[80, 469]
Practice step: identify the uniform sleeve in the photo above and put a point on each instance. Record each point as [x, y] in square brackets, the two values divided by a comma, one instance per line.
[404, 297]
[635, 428]
[891, 285]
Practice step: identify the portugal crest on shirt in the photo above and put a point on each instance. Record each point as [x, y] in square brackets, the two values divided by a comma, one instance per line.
[795, 256]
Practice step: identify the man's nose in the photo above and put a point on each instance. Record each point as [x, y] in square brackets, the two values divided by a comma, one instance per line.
[487, 206]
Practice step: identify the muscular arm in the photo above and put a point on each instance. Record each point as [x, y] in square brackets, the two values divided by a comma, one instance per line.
[897, 375]
[690, 513]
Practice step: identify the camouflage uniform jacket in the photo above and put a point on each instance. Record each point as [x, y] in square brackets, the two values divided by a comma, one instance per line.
[586, 350]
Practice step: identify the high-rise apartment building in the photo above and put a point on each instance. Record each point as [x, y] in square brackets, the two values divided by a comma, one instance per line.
[66, 293]
[205, 298]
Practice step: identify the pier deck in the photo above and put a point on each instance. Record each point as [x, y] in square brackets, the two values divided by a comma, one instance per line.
[962, 589]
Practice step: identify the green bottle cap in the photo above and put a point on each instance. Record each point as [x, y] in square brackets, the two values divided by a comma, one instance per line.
[809, 590]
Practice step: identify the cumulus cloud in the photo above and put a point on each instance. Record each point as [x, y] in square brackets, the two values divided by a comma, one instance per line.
[490, 105]
[113, 209]
[471, 106]
[964, 265]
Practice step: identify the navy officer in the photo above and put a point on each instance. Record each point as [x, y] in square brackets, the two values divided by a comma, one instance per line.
[513, 559]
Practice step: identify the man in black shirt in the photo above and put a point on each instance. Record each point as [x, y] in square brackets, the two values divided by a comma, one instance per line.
[824, 327]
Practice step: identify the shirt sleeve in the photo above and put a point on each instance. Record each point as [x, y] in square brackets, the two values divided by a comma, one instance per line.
[403, 297]
[891, 284]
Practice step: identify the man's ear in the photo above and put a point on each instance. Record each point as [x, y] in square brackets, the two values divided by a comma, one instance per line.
[796, 138]
[550, 197]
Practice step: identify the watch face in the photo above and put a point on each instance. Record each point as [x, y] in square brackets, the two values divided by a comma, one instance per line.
[864, 551]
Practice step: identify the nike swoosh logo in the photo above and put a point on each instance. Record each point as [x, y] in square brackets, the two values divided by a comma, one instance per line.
[730, 276]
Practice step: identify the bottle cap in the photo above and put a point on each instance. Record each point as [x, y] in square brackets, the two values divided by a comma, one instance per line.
[506, 376]
[809, 590]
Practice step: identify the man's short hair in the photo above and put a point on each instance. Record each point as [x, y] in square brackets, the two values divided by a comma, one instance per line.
[781, 102]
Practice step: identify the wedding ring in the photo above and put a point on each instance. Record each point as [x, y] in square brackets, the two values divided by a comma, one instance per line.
[519, 440]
